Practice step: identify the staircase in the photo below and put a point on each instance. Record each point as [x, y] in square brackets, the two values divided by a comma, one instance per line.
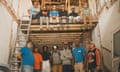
[22, 37]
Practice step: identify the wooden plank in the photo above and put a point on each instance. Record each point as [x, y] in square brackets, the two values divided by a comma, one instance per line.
[62, 38]
[59, 35]
[51, 34]
[9, 9]
[54, 41]
[56, 27]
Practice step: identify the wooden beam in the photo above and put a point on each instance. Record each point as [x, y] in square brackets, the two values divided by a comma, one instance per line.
[36, 21]
[80, 4]
[60, 28]
[57, 38]
[42, 34]
[59, 35]
[69, 6]
[9, 9]
[52, 41]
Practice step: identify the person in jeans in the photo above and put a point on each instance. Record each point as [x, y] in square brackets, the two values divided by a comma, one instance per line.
[93, 57]
[56, 60]
[37, 60]
[25, 54]
[54, 15]
[73, 16]
[63, 15]
[79, 57]
[34, 10]
[66, 57]
[46, 60]
[44, 16]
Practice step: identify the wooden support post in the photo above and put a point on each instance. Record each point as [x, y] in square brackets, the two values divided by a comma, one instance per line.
[11, 3]
[119, 6]
[79, 4]
[66, 4]
[9, 9]
[43, 3]
[18, 9]
[69, 6]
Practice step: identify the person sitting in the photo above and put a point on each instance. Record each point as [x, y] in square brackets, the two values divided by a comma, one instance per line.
[44, 14]
[63, 16]
[85, 13]
[73, 16]
[34, 10]
[54, 15]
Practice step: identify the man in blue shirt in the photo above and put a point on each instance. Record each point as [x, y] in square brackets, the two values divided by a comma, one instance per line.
[79, 56]
[54, 15]
[25, 54]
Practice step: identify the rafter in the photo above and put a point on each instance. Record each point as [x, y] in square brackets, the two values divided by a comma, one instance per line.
[9, 9]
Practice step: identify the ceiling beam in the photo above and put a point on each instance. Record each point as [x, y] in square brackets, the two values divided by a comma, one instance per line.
[42, 34]
[9, 9]
[51, 36]
[62, 31]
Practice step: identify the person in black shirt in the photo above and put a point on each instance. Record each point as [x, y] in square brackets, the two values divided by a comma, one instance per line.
[73, 16]
[46, 59]
[63, 15]
[44, 14]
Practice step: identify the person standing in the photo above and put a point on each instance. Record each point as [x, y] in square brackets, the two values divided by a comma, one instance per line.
[93, 57]
[66, 57]
[25, 54]
[37, 60]
[79, 57]
[46, 60]
[56, 60]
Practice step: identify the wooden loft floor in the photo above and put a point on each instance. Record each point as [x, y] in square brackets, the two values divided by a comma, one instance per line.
[40, 34]
[56, 27]
[57, 33]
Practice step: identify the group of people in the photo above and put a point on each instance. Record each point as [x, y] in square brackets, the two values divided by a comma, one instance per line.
[59, 16]
[64, 59]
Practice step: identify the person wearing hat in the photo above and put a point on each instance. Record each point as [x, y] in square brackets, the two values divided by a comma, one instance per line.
[66, 57]
[56, 60]
[54, 15]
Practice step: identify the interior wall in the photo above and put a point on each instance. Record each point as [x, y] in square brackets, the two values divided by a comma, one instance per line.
[6, 24]
[109, 21]
[24, 6]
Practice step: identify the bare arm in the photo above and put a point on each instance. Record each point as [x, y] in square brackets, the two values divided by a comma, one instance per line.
[29, 11]
[62, 56]
[19, 55]
[69, 55]
[98, 57]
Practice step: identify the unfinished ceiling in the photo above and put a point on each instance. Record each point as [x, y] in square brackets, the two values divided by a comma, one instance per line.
[56, 33]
